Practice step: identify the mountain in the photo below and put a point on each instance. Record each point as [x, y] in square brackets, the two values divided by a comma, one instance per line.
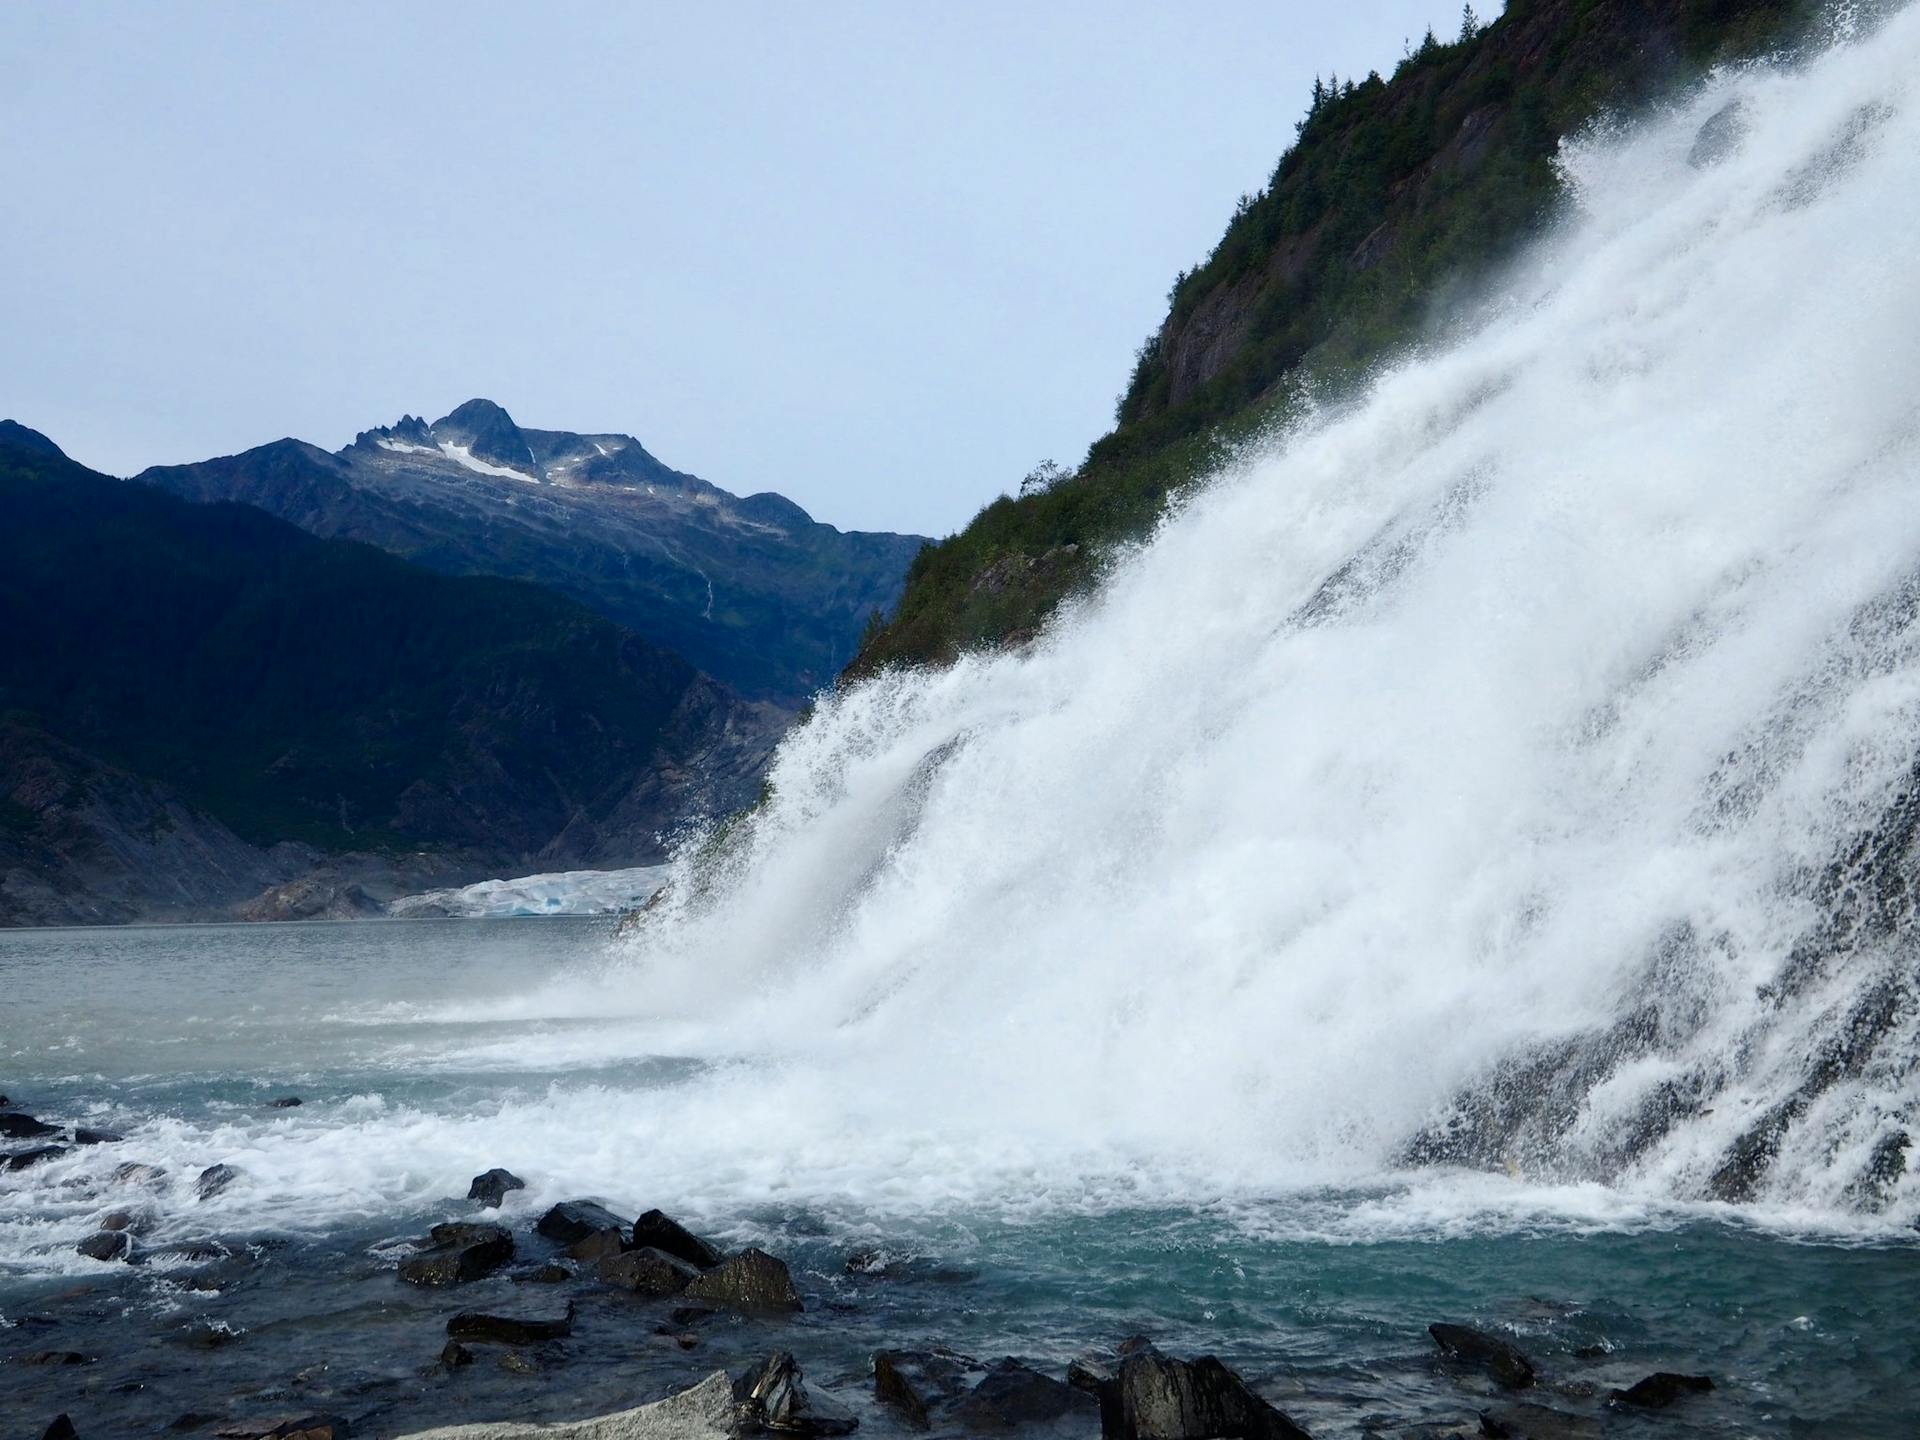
[198, 701]
[752, 591]
[1399, 198]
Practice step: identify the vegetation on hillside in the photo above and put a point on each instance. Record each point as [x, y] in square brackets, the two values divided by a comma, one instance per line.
[320, 690]
[1398, 194]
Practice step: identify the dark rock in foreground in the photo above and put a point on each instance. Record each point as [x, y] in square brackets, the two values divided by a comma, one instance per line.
[914, 1382]
[107, 1245]
[1013, 1395]
[1502, 1360]
[24, 1159]
[775, 1397]
[1155, 1397]
[286, 1102]
[659, 1232]
[60, 1429]
[572, 1221]
[491, 1187]
[16, 1126]
[511, 1328]
[213, 1180]
[84, 1136]
[1661, 1389]
[648, 1272]
[751, 1280]
[453, 1355]
[460, 1254]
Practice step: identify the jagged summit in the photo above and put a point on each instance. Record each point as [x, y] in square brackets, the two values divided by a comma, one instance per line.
[13, 433]
[752, 590]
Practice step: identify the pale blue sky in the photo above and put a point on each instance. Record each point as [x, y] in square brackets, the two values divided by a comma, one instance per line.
[882, 258]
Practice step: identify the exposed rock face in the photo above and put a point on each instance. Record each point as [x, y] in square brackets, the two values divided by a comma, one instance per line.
[572, 1221]
[1499, 1358]
[459, 1255]
[706, 1412]
[1014, 1395]
[776, 1397]
[752, 591]
[492, 1188]
[518, 1327]
[647, 1271]
[213, 1180]
[15, 1126]
[1661, 1389]
[657, 1231]
[1155, 1397]
[107, 1245]
[751, 1280]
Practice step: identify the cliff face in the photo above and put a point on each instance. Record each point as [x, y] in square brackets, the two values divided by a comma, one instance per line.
[1400, 195]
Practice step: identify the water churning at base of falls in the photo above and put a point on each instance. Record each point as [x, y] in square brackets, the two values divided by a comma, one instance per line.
[1490, 803]
[1510, 771]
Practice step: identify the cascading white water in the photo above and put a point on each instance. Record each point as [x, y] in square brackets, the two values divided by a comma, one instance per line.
[1473, 755]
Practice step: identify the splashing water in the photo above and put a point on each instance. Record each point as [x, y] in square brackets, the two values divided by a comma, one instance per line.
[1493, 798]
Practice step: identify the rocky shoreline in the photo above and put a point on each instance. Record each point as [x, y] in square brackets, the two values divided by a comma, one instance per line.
[503, 1292]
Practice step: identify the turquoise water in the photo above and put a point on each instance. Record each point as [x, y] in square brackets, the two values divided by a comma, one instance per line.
[397, 1035]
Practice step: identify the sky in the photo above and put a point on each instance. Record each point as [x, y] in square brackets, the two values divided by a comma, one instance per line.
[882, 258]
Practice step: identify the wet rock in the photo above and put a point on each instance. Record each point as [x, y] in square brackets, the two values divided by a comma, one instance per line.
[5, 1103]
[554, 1272]
[1155, 1397]
[213, 1180]
[38, 1155]
[106, 1245]
[460, 1254]
[191, 1252]
[491, 1187]
[1500, 1359]
[131, 1221]
[776, 1397]
[516, 1327]
[600, 1245]
[572, 1221]
[914, 1382]
[207, 1335]
[516, 1363]
[60, 1429]
[656, 1231]
[1013, 1394]
[751, 1280]
[132, 1173]
[1661, 1389]
[54, 1357]
[85, 1136]
[648, 1272]
[454, 1355]
[14, 1125]
[1718, 136]
[286, 1102]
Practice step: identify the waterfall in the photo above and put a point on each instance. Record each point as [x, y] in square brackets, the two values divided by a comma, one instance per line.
[1511, 769]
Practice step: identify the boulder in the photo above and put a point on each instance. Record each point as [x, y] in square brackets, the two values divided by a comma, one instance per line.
[598, 1246]
[649, 1272]
[515, 1327]
[706, 1412]
[131, 1173]
[453, 1355]
[286, 1102]
[38, 1155]
[85, 1136]
[915, 1382]
[1499, 1358]
[554, 1272]
[572, 1221]
[60, 1429]
[213, 1180]
[1013, 1395]
[458, 1255]
[17, 1126]
[775, 1397]
[491, 1187]
[656, 1231]
[1155, 1397]
[107, 1245]
[1661, 1389]
[751, 1280]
